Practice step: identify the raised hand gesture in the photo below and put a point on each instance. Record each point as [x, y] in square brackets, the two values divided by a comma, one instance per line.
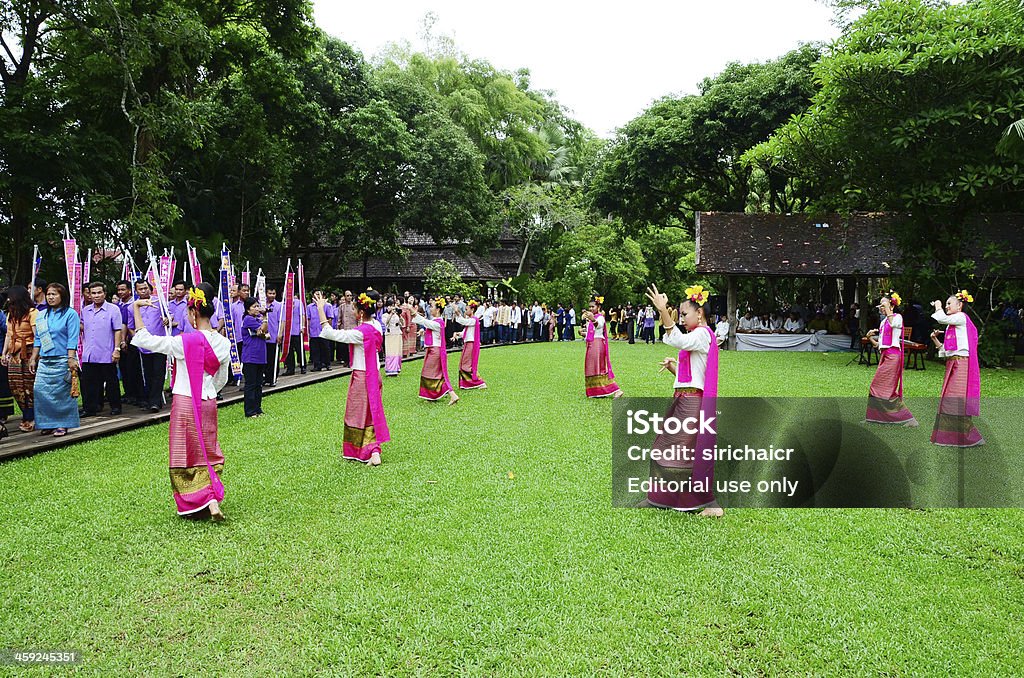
[658, 299]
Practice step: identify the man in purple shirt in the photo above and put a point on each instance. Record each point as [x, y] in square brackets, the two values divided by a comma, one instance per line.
[295, 350]
[274, 320]
[130, 364]
[317, 350]
[101, 350]
[254, 355]
[39, 294]
[154, 365]
[178, 307]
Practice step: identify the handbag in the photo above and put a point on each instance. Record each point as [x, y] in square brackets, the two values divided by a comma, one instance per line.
[76, 387]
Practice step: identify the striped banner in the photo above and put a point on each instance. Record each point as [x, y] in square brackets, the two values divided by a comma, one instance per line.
[225, 311]
[288, 306]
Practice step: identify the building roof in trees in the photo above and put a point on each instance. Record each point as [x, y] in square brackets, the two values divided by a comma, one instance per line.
[830, 245]
[422, 251]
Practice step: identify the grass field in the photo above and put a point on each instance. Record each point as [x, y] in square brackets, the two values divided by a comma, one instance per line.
[487, 544]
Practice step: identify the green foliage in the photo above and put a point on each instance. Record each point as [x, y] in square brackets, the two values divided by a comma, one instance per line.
[442, 278]
[682, 154]
[616, 262]
[913, 99]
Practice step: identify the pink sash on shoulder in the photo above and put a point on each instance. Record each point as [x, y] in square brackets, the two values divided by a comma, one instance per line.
[372, 340]
[201, 360]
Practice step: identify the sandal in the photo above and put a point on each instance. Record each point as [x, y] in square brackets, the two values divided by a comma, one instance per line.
[27, 426]
[59, 432]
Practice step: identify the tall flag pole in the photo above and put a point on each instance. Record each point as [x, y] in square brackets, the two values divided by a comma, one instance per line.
[37, 261]
[225, 302]
[305, 322]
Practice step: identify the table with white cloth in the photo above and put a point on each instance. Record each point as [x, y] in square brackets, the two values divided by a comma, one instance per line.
[792, 342]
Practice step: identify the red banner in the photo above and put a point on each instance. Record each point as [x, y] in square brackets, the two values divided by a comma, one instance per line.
[289, 305]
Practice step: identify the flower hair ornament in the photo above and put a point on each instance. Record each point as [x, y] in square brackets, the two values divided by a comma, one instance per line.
[894, 298]
[598, 299]
[473, 303]
[964, 295]
[440, 302]
[697, 294]
[196, 298]
[365, 301]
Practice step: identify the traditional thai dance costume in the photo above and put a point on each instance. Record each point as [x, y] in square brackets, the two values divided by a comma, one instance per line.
[470, 360]
[201, 362]
[393, 345]
[434, 383]
[885, 397]
[366, 429]
[600, 379]
[408, 333]
[696, 391]
[961, 386]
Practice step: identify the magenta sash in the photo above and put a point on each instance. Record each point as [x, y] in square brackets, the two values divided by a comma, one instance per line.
[476, 347]
[950, 343]
[590, 338]
[200, 360]
[887, 335]
[372, 340]
[444, 352]
[704, 469]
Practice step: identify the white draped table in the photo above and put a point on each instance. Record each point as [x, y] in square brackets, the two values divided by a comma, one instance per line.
[792, 342]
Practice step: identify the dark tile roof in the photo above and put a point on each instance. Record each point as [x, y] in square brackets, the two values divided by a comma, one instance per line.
[470, 267]
[828, 245]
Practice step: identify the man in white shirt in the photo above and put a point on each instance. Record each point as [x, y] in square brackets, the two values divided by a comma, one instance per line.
[515, 322]
[571, 331]
[722, 331]
[537, 316]
[794, 324]
[748, 323]
[488, 323]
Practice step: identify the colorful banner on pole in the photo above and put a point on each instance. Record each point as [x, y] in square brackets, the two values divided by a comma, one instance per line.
[288, 306]
[193, 262]
[70, 257]
[225, 303]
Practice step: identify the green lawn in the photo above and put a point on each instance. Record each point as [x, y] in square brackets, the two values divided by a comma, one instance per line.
[440, 561]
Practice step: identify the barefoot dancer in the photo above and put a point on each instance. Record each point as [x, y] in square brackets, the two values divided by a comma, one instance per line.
[434, 383]
[696, 390]
[885, 397]
[597, 366]
[201, 370]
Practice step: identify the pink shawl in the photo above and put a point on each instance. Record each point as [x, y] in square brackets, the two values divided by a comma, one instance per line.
[476, 347]
[201, 360]
[703, 469]
[590, 338]
[950, 343]
[372, 340]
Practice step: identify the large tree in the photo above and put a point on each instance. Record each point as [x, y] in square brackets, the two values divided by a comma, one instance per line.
[682, 154]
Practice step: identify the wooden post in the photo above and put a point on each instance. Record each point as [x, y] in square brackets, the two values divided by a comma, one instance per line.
[862, 303]
[730, 302]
